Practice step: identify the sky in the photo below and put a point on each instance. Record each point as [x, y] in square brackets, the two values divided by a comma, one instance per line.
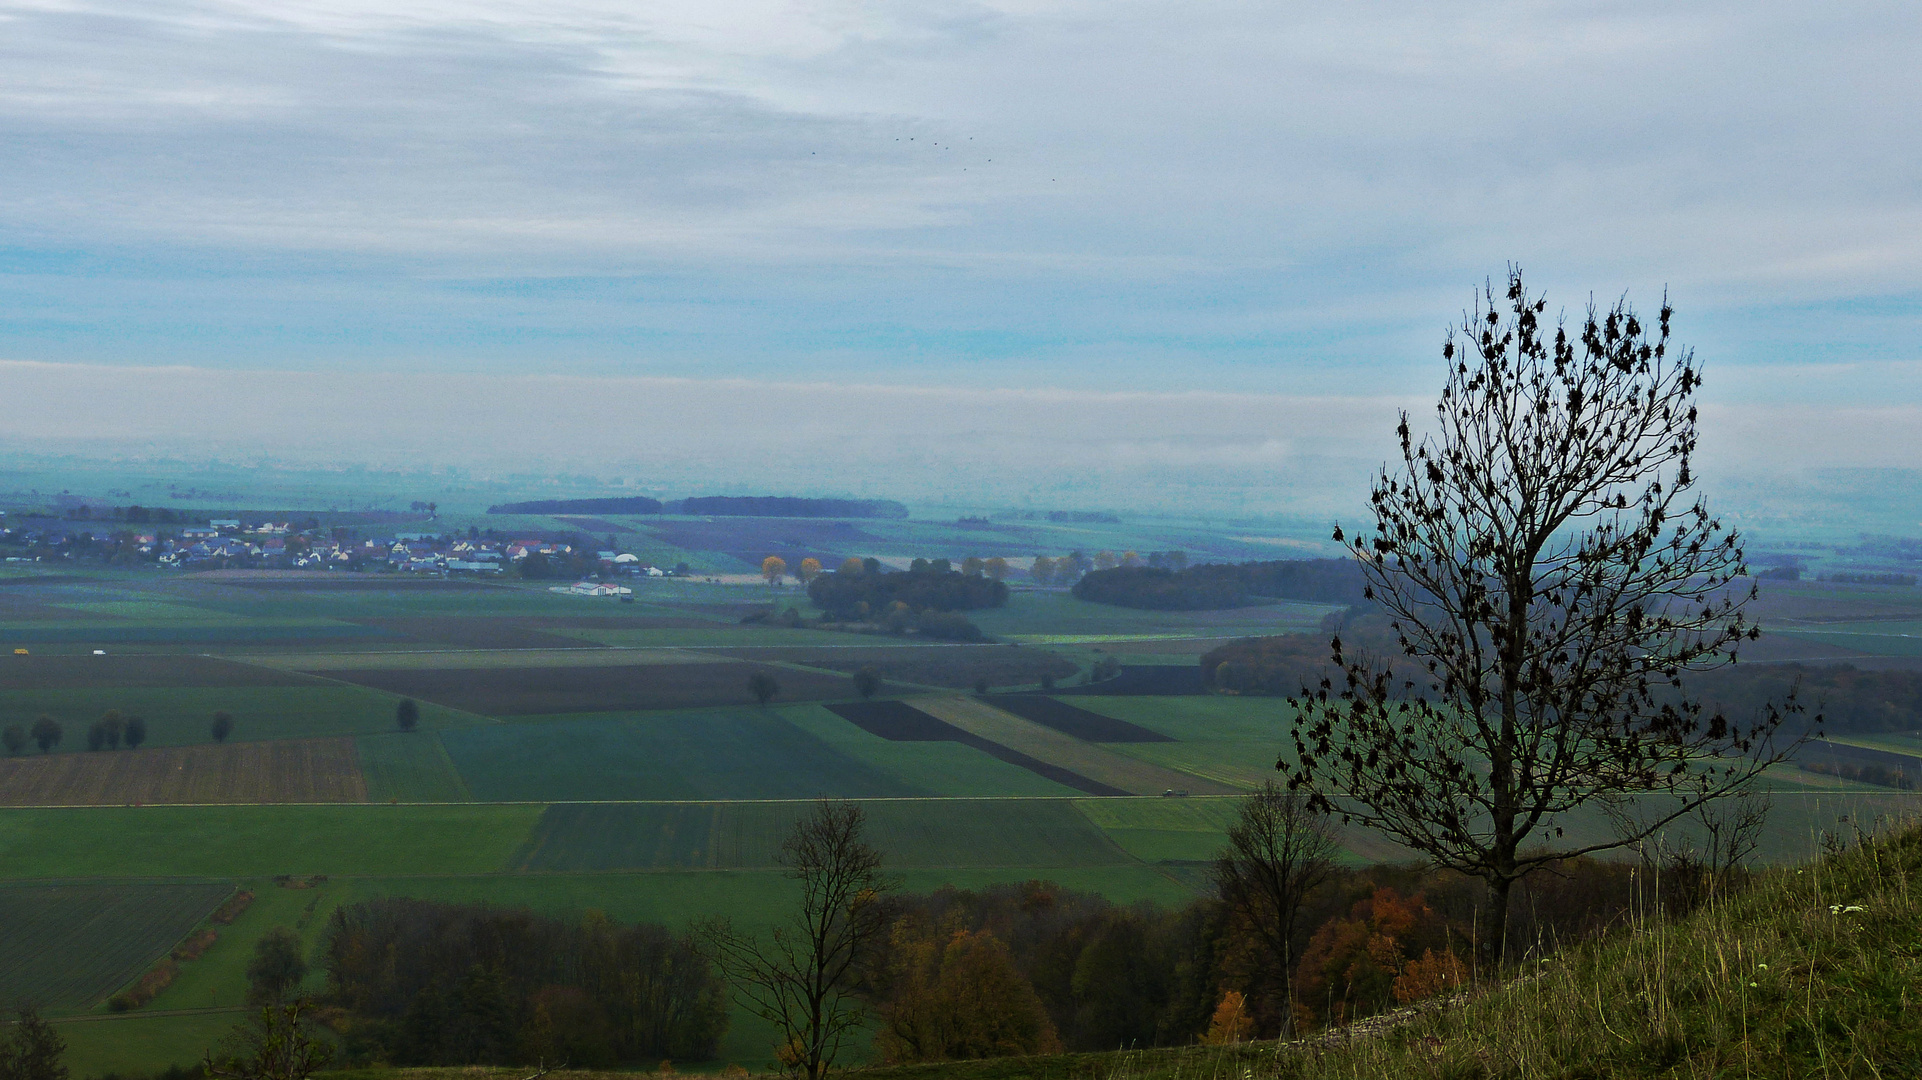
[1188, 254]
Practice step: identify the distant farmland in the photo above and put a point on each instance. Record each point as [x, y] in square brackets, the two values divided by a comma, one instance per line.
[520, 691]
[910, 832]
[69, 946]
[287, 770]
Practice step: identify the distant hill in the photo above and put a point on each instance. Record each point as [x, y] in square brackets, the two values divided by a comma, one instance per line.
[635, 504]
[786, 506]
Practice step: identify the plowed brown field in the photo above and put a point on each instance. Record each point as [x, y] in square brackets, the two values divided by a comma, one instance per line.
[287, 770]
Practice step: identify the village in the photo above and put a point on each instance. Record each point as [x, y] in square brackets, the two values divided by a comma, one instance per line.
[231, 543]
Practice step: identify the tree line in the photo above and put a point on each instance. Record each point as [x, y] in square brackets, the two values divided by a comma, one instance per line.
[432, 983]
[863, 590]
[1215, 586]
[107, 733]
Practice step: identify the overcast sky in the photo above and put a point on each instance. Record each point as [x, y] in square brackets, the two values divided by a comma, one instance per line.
[1144, 214]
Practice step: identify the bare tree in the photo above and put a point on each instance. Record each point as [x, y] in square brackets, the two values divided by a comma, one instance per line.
[800, 976]
[1280, 848]
[1551, 579]
[279, 1045]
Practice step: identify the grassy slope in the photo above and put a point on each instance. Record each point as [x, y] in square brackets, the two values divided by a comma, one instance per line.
[1814, 972]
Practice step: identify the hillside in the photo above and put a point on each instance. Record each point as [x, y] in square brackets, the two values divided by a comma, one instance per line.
[1814, 971]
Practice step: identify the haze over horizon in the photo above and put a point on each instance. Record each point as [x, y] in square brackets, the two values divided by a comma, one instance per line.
[1199, 254]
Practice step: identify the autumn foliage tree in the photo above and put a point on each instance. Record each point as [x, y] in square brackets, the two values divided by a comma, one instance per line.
[1552, 580]
[810, 569]
[959, 996]
[773, 568]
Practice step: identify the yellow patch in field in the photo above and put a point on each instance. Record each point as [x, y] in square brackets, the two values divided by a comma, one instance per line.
[1046, 744]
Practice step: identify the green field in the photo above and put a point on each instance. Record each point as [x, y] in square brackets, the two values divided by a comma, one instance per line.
[409, 767]
[181, 716]
[68, 946]
[229, 842]
[981, 834]
[706, 754]
[939, 768]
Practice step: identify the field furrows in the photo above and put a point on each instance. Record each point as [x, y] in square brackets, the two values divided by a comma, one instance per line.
[523, 691]
[734, 836]
[68, 946]
[1097, 763]
[287, 770]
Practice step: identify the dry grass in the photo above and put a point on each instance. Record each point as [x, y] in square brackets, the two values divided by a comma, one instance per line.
[287, 770]
[1045, 744]
[1814, 972]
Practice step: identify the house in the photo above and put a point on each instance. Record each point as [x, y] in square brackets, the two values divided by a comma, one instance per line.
[225, 524]
[592, 588]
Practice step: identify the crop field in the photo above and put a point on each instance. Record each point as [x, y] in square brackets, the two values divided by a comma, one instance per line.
[1146, 680]
[68, 946]
[1074, 722]
[1158, 830]
[521, 691]
[1128, 774]
[724, 636]
[198, 636]
[737, 836]
[182, 717]
[1045, 616]
[955, 666]
[409, 767]
[900, 722]
[235, 842]
[325, 664]
[284, 770]
[121, 671]
[742, 753]
[541, 690]
[1892, 638]
[1198, 719]
[961, 767]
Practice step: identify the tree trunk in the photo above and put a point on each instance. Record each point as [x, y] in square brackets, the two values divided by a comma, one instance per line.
[1492, 931]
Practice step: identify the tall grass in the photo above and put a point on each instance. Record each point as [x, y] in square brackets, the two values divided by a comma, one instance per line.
[1813, 971]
